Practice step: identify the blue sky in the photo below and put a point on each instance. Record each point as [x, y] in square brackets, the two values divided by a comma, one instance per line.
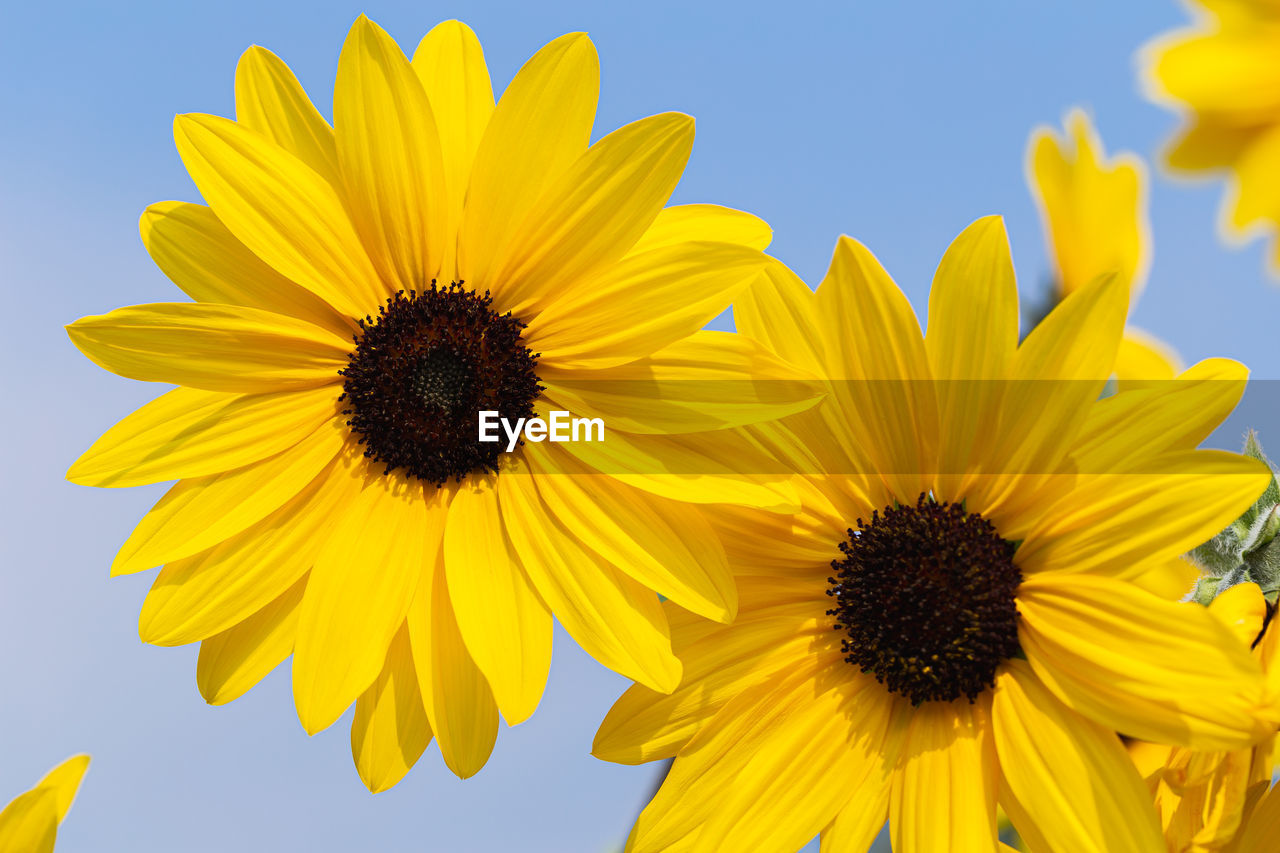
[896, 123]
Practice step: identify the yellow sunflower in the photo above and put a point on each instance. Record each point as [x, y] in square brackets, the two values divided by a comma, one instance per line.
[948, 624]
[1206, 799]
[29, 824]
[1094, 212]
[361, 292]
[1223, 74]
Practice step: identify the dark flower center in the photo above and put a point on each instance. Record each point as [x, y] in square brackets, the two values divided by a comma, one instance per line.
[926, 594]
[422, 371]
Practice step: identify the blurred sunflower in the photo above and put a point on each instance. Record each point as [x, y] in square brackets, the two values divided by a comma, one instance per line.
[976, 640]
[1093, 209]
[1206, 800]
[1223, 74]
[29, 824]
[361, 291]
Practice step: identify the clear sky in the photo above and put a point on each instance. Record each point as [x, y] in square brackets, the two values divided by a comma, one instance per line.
[896, 123]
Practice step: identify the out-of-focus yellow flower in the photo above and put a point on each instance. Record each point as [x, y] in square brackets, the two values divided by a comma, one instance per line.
[1206, 799]
[1223, 74]
[1094, 212]
[29, 824]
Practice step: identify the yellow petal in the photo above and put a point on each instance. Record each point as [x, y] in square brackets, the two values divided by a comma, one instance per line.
[1251, 199]
[641, 304]
[1175, 415]
[389, 730]
[944, 791]
[198, 514]
[704, 222]
[389, 154]
[270, 100]
[1120, 524]
[645, 725]
[1093, 207]
[506, 628]
[199, 255]
[778, 309]
[657, 542]
[540, 127]
[192, 433]
[1059, 370]
[707, 381]
[706, 772]
[1260, 833]
[1243, 610]
[971, 341]
[214, 347]
[1143, 360]
[450, 65]
[458, 700]
[834, 750]
[29, 824]
[858, 823]
[701, 468]
[202, 595]
[281, 209]
[1156, 670]
[1228, 72]
[357, 597]
[232, 662]
[873, 347]
[1073, 775]
[616, 620]
[593, 213]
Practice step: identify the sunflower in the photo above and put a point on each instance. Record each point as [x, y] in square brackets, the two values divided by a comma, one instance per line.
[1093, 209]
[1223, 74]
[1206, 799]
[361, 292]
[947, 625]
[29, 824]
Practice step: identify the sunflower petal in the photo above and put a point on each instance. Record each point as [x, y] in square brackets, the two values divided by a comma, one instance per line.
[29, 824]
[626, 312]
[708, 768]
[595, 212]
[389, 730]
[199, 255]
[199, 596]
[192, 433]
[214, 347]
[198, 514]
[270, 100]
[458, 700]
[232, 662]
[281, 209]
[450, 65]
[506, 628]
[540, 127]
[1156, 670]
[616, 620]
[357, 597]
[1120, 524]
[389, 154]
[857, 824]
[681, 223]
[778, 310]
[872, 344]
[944, 791]
[707, 381]
[1164, 416]
[1085, 793]
[657, 542]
